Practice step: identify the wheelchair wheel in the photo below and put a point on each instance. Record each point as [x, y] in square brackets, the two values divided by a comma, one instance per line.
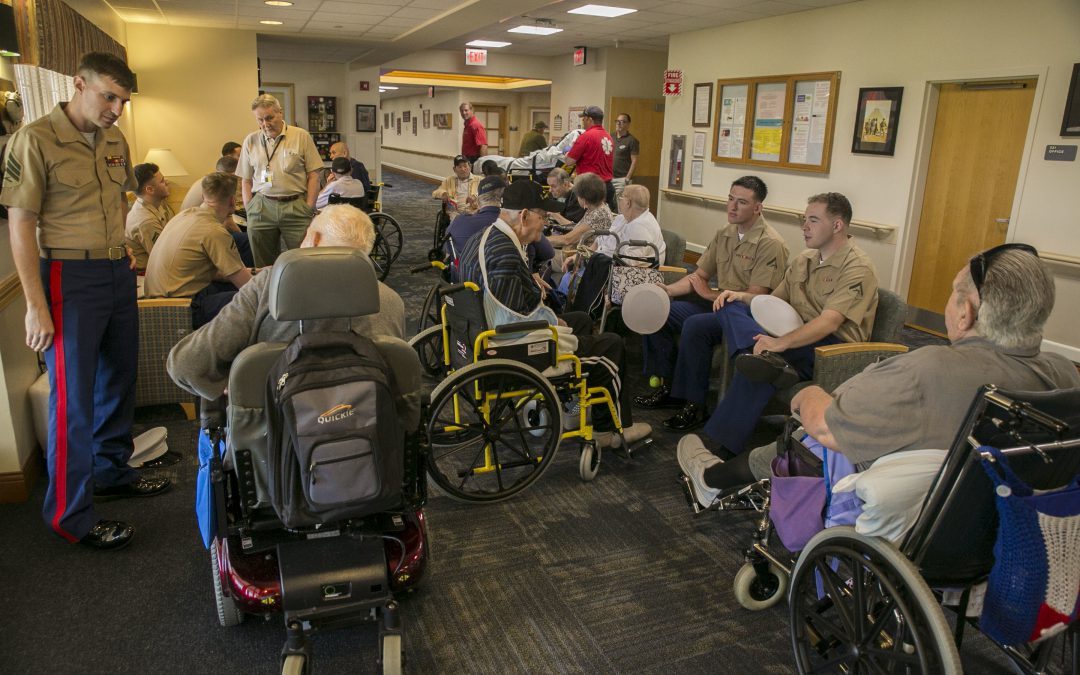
[875, 612]
[431, 310]
[391, 654]
[381, 257]
[482, 447]
[227, 612]
[389, 231]
[589, 462]
[756, 592]
[428, 344]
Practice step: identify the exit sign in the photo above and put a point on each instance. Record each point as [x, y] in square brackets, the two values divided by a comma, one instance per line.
[476, 57]
[579, 56]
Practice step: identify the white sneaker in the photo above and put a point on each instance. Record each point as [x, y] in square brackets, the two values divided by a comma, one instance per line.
[631, 434]
[694, 459]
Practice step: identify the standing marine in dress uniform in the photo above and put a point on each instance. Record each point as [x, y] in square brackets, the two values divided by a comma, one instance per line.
[64, 183]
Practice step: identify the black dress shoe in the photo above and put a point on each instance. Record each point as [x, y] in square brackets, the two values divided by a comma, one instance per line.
[140, 487]
[107, 535]
[767, 368]
[660, 398]
[692, 415]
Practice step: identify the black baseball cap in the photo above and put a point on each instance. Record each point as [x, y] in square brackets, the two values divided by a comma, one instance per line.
[489, 183]
[461, 159]
[525, 194]
[593, 112]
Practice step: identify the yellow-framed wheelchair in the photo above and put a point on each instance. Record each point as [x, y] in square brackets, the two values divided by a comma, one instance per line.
[498, 416]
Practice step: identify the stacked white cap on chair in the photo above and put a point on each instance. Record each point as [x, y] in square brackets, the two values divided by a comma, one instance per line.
[645, 308]
[776, 316]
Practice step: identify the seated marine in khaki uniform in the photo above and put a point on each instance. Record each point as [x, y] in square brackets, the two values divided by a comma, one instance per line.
[196, 257]
[149, 213]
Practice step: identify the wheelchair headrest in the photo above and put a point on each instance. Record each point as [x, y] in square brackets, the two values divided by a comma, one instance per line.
[323, 283]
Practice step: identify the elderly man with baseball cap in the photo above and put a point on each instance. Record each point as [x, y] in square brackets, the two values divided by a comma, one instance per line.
[594, 151]
[506, 276]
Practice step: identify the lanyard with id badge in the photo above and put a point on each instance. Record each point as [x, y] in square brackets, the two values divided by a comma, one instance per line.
[267, 176]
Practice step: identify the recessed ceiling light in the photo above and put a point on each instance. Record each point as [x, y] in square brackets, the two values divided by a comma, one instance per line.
[386, 87]
[494, 44]
[535, 30]
[601, 10]
[278, 3]
[270, 22]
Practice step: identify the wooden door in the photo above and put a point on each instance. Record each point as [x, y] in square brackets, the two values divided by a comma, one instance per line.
[493, 117]
[979, 134]
[647, 125]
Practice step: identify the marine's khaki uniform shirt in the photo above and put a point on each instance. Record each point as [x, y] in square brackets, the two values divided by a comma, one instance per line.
[76, 190]
[144, 226]
[758, 260]
[845, 282]
[294, 156]
[191, 252]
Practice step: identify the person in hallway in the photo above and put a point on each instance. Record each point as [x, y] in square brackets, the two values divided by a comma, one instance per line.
[149, 213]
[200, 362]
[67, 241]
[473, 135]
[357, 170]
[994, 318]
[627, 149]
[747, 254]
[504, 273]
[594, 151]
[343, 183]
[833, 287]
[279, 166]
[533, 140]
[194, 197]
[458, 190]
[231, 149]
[196, 257]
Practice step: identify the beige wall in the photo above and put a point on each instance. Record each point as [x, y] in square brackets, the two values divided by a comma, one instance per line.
[633, 73]
[925, 41]
[363, 146]
[195, 92]
[576, 86]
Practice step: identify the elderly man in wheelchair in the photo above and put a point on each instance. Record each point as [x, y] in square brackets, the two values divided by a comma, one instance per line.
[325, 528]
[518, 369]
[888, 421]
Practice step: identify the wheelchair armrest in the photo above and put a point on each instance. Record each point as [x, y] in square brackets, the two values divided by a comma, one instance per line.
[834, 364]
[523, 327]
[457, 288]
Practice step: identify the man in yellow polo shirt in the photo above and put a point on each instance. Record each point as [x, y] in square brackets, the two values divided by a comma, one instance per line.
[64, 183]
[279, 166]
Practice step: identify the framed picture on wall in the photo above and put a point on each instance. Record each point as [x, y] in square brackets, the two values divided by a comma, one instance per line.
[1070, 123]
[414, 121]
[877, 120]
[406, 116]
[283, 92]
[427, 118]
[702, 104]
[365, 118]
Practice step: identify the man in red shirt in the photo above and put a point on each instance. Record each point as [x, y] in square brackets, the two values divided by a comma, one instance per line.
[474, 136]
[594, 151]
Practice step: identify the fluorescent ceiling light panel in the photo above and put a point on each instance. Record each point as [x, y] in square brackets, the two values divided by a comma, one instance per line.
[385, 87]
[535, 30]
[494, 44]
[602, 10]
[270, 22]
[278, 3]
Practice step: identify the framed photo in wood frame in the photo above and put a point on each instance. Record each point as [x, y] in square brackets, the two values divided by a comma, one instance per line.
[877, 120]
[365, 118]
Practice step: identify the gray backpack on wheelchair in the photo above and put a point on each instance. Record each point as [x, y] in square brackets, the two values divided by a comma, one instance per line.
[334, 440]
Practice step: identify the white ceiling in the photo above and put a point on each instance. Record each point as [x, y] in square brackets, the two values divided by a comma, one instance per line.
[377, 31]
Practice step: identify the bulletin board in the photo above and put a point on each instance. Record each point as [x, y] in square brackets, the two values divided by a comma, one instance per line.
[783, 121]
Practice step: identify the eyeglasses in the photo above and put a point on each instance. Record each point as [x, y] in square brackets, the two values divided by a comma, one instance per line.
[981, 262]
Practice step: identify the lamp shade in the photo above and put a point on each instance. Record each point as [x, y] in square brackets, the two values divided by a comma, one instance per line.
[166, 161]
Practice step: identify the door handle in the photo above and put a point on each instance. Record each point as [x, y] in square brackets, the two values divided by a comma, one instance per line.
[1001, 221]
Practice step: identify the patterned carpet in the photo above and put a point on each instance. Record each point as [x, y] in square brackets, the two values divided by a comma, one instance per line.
[613, 576]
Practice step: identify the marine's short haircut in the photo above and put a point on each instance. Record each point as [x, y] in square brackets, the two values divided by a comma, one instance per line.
[753, 184]
[227, 164]
[144, 173]
[228, 148]
[102, 63]
[219, 186]
[836, 205]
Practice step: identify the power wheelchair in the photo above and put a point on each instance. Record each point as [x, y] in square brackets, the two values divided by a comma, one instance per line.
[388, 238]
[861, 603]
[333, 574]
[498, 412]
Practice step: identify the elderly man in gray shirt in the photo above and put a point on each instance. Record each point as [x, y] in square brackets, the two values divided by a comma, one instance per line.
[200, 362]
[994, 317]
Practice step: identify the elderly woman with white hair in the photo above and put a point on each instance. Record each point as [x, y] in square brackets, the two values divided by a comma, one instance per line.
[200, 362]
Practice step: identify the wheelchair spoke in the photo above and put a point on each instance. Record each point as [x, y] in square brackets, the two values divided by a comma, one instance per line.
[830, 665]
[860, 613]
[830, 579]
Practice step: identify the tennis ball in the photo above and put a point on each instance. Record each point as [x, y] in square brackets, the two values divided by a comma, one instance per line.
[654, 381]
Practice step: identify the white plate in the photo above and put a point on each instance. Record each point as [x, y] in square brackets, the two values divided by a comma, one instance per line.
[776, 316]
[645, 308]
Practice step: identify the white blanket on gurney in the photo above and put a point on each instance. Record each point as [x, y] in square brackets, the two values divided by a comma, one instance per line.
[544, 158]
